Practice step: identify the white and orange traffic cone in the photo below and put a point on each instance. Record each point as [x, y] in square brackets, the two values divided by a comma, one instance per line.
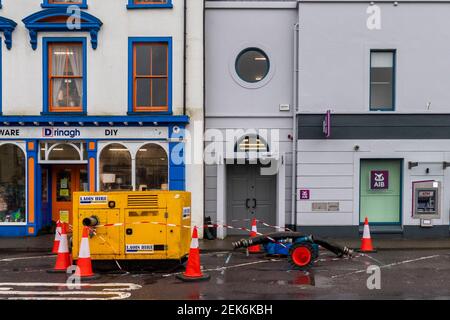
[193, 270]
[63, 260]
[57, 237]
[254, 233]
[366, 241]
[84, 262]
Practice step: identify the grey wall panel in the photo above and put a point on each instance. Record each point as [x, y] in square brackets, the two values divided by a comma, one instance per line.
[376, 126]
[335, 46]
[228, 31]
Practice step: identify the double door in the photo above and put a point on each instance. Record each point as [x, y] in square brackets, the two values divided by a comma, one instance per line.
[250, 195]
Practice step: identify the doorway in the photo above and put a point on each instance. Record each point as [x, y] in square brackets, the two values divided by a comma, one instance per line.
[66, 179]
[381, 191]
[250, 195]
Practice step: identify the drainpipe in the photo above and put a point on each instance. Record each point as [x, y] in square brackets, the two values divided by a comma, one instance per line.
[184, 55]
[294, 125]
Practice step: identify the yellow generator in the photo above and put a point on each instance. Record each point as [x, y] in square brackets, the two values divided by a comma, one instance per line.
[136, 225]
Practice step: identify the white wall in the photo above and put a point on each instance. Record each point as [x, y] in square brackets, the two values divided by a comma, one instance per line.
[330, 169]
[107, 67]
[335, 45]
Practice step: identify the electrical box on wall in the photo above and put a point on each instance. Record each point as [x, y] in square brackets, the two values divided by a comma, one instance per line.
[285, 107]
[426, 200]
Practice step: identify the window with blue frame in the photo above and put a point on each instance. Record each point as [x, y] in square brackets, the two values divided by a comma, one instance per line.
[58, 3]
[382, 80]
[150, 70]
[65, 75]
[142, 4]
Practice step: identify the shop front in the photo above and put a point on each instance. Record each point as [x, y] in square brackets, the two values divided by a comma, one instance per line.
[43, 163]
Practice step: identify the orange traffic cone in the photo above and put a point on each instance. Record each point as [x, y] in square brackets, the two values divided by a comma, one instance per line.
[84, 263]
[366, 241]
[63, 260]
[254, 233]
[193, 271]
[57, 237]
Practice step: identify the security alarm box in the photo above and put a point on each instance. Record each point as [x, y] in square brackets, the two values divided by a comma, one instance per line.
[426, 196]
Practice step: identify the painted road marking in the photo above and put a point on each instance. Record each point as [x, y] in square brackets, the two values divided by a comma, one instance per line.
[111, 291]
[127, 286]
[65, 295]
[228, 267]
[26, 258]
[388, 265]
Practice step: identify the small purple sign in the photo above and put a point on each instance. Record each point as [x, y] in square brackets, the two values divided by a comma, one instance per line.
[304, 194]
[379, 179]
[327, 124]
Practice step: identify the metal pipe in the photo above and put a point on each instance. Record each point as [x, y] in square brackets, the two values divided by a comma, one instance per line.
[294, 126]
[91, 221]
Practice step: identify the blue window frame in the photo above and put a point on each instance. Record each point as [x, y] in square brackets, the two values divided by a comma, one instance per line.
[142, 84]
[149, 4]
[64, 3]
[382, 80]
[47, 43]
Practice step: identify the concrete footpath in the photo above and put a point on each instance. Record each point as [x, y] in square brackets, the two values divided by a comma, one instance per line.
[44, 243]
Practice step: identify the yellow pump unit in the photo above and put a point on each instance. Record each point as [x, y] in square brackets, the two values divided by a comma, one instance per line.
[137, 225]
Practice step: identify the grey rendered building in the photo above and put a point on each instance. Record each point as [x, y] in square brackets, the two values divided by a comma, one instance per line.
[361, 87]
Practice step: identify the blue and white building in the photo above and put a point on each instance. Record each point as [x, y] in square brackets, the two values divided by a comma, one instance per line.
[97, 95]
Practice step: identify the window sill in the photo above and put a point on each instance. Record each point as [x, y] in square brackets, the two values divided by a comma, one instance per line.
[147, 113]
[62, 113]
[149, 6]
[50, 6]
[383, 110]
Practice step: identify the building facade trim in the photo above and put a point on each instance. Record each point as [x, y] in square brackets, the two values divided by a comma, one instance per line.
[38, 22]
[7, 26]
[47, 4]
[133, 5]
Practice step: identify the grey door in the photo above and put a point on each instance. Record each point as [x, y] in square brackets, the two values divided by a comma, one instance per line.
[250, 195]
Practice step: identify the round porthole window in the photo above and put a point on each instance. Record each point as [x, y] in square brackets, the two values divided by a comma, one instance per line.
[252, 65]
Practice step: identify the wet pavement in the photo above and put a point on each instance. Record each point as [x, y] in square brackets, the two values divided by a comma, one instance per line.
[405, 274]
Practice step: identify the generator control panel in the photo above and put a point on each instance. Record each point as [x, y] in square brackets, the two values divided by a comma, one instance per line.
[426, 196]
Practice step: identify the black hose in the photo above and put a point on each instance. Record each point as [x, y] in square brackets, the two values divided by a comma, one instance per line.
[278, 236]
[245, 243]
[336, 249]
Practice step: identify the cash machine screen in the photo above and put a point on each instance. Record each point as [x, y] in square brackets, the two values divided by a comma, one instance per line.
[426, 201]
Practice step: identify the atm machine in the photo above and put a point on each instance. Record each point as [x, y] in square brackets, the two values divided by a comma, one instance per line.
[426, 202]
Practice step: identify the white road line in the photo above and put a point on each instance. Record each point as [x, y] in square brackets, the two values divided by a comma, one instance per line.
[372, 258]
[225, 268]
[26, 258]
[111, 291]
[65, 295]
[116, 286]
[388, 265]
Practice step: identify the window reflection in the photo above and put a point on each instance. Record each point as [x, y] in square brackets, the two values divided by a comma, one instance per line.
[115, 168]
[151, 168]
[12, 184]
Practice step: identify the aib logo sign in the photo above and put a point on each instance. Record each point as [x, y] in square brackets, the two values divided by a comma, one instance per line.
[379, 179]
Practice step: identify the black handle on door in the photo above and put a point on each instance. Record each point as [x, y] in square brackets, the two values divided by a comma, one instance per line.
[246, 203]
[254, 203]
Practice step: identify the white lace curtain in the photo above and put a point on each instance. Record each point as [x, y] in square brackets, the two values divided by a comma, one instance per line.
[66, 61]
